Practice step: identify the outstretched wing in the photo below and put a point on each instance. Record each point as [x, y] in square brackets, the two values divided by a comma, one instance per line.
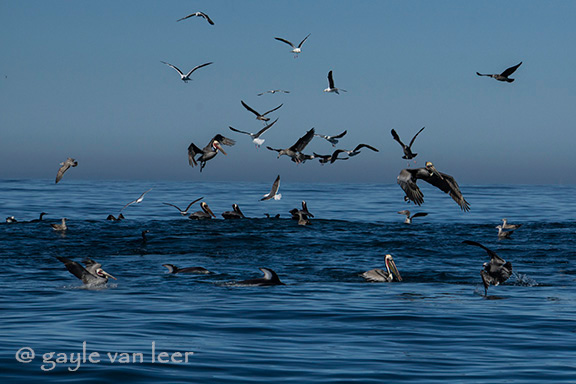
[239, 131]
[446, 184]
[172, 205]
[303, 141]
[510, 70]
[260, 132]
[192, 203]
[173, 66]
[196, 67]
[208, 19]
[414, 138]
[360, 146]
[285, 41]
[193, 150]
[272, 110]
[248, 108]
[302, 42]
[397, 138]
[341, 135]
[491, 253]
[407, 181]
[330, 80]
[275, 187]
[223, 140]
[61, 171]
[76, 269]
[273, 149]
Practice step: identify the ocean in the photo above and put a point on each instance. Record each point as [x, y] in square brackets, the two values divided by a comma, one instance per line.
[326, 325]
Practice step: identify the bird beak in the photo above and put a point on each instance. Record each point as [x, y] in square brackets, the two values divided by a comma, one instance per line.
[394, 270]
[108, 275]
[435, 171]
[209, 211]
[218, 147]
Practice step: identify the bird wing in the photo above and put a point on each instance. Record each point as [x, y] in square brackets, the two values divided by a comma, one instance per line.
[330, 80]
[303, 141]
[248, 108]
[172, 205]
[193, 150]
[418, 214]
[187, 17]
[272, 110]
[196, 67]
[173, 66]
[446, 184]
[142, 195]
[302, 42]
[360, 146]
[414, 138]
[285, 41]
[339, 136]
[260, 132]
[195, 201]
[397, 138]
[275, 187]
[208, 19]
[510, 70]
[335, 154]
[61, 171]
[273, 149]
[223, 140]
[239, 131]
[491, 253]
[76, 269]
[407, 181]
[480, 74]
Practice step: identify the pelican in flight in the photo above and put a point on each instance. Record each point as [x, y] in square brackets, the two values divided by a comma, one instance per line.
[205, 213]
[236, 213]
[199, 14]
[408, 154]
[351, 153]
[295, 50]
[137, 201]
[295, 151]
[91, 275]
[504, 75]
[332, 139]
[174, 269]
[60, 227]
[256, 136]
[273, 91]
[446, 183]
[270, 278]
[331, 88]
[409, 218]
[379, 275]
[184, 212]
[496, 271]
[274, 192]
[70, 162]
[186, 77]
[505, 225]
[209, 151]
[261, 117]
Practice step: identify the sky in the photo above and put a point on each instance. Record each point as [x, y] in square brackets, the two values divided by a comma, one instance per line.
[84, 79]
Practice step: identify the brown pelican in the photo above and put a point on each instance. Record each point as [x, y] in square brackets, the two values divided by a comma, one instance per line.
[295, 50]
[236, 213]
[261, 117]
[505, 225]
[296, 213]
[199, 14]
[496, 271]
[184, 212]
[205, 213]
[295, 151]
[302, 218]
[112, 218]
[502, 234]
[331, 88]
[504, 75]
[270, 278]
[208, 152]
[92, 274]
[174, 269]
[70, 162]
[408, 154]
[332, 139]
[446, 183]
[60, 227]
[378, 275]
[256, 136]
[409, 218]
[353, 152]
[186, 77]
[274, 192]
[273, 91]
[137, 201]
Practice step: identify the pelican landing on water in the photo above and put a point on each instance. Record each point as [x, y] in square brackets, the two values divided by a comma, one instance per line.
[208, 152]
[92, 274]
[379, 275]
[496, 271]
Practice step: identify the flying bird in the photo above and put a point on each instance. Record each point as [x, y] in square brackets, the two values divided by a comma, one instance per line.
[261, 117]
[378, 275]
[351, 153]
[256, 136]
[270, 278]
[208, 152]
[295, 50]
[205, 213]
[274, 192]
[199, 14]
[409, 218]
[504, 75]
[186, 77]
[324, 159]
[446, 183]
[70, 162]
[496, 271]
[408, 154]
[332, 139]
[184, 212]
[91, 275]
[331, 88]
[137, 201]
[236, 213]
[295, 151]
[273, 91]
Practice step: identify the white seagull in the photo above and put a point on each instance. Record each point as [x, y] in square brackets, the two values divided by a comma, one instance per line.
[331, 88]
[186, 77]
[274, 192]
[256, 136]
[137, 201]
[273, 91]
[332, 139]
[295, 50]
[199, 14]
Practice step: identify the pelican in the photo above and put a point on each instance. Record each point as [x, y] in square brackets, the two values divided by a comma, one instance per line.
[331, 88]
[446, 183]
[70, 162]
[270, 278]
[186, 77]
[295, 151]
[496, 271]
[236, 213]
[256, 136]
[208, 152]
[185, 211]
[91, 275]
[502, 234]
[302, 218]
[409, 218]
[174, 269]
[504, 75]
[304, 211]
[199, 14]
[378, 275]
[332, 139]
[60, 227]
[261, 117]
[274, 192]
[205, 213]
[38, 219]
[408, 154]
[273, 91]
[505, 225]
[137, 201]
[295, 50]
[351, 153]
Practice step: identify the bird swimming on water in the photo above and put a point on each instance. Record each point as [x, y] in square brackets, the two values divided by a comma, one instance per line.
[236, 213]
[205, 213]
[295, 50]
[208, 152]
[504, 75]
[11, 219]
[331, 88]
[91, 275]
[198, 14]
[60, 227]
[70, 162]
[409, 218]
[270, 278]
[295, 151]
[379, 275]
[256, 136]
[186, 77]
[174, 269]
[408, 154]
[42, 214]
[496, 271]
[274, 192]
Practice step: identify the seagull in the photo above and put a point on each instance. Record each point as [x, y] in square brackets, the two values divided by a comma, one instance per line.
[137, 201]
[70, 162]
[60, 227]
[505, 225]
[199, 14]
[274, 192]
[409, 218]
[353, 152]
[256, 136]
[273, 91]
[174, 269]
[496, 271]
[332, 139]
[209, 151]
[205, 213]
[502, 234]
[378, 275]
[504, 75]
[323, 159]
[184, 212]
[446, 183]
[408, 154]
[295, 151]
[91, 275]
[236, 213]
[295, 50]
[331, 87]
[270, 278]
[258, 115]
[186, 77]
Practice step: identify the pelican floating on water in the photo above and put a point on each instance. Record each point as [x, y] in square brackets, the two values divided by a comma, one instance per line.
[295, 50]
[331, 88]
[274, 192]
[270, 278]
[60, 227]
[236, 213]
[409, 218]
[408, 154]
[205, 213]
[496, 271]
[379, 275]
[199, 14]
[70, 162]
[351, 153]
[186, 77]
[505, 225]
[295, 151]
[273, 91]
[208, 152]
[174, 269]
[504, 75]
[332, 139]
[261, 117]
[256, 136]
[184, 212]
[301, 215]
[91, 275]
[137, 201]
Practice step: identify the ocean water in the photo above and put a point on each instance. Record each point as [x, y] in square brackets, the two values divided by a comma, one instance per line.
[326, 325]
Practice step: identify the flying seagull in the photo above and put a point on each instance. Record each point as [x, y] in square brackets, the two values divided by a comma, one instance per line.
[353, 152]
[256, 136]
[378, 275]
[331, 87]
[92, 274]
[70, 162]
[273, 91]
[208, 152]
[274, 192]
[332, 139]
[137, 201]
[199, 14]
[504, 75]
[295, 151]
[408, 154]
[186, 77]
[496, 271]
[295, 50]
[270, 278]
[261, 117]
[446, 183]
[409, 218]
[184, 212]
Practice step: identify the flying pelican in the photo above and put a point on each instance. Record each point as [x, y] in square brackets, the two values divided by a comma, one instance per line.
[91, 275]
[331, 87]
[496, 271]
[270, 278]
[137, 201]
[502, 234]
[409, 218]
[261, 117]
[256, 136]
[236, 213]
[273, 91]
[186, 77]
[378, 275]
[184, 212]
[295, 151]
[274, 192]
[332, 139]
[408, 154]
[208, 152]
[295, 50]
[505, 225]
[353, 152]
[70, 162]
[174, 269]
[60, 227]
[446, 183]
[199, 14]
[205, 213]
[504, 75]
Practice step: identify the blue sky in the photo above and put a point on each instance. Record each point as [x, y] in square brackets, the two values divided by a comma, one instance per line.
[84, 79]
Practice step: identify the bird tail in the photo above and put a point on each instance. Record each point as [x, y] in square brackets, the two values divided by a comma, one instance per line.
[278, 196]
[510, 80]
